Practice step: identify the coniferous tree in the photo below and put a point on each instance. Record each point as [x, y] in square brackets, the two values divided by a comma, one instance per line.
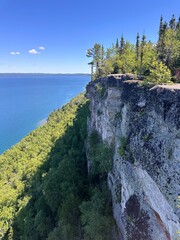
[123, 57]
[161, 42]
[165, 27]
[143, 43]
[95, 54]
[160, 28]
[117, 44]
[172, 23]
[137, 47]
[102, 54]
[168, 44]
[122, 44]
[178, 24]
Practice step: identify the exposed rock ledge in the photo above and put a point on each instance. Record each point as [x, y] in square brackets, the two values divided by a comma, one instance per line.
[145, 125]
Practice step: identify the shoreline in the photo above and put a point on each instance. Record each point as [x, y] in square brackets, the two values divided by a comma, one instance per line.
[42, 122]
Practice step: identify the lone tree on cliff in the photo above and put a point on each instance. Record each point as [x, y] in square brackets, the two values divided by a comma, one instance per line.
[96, 54]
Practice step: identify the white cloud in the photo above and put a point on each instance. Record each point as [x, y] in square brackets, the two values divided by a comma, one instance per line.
[33, 51]
[41, 48]
[15, 53]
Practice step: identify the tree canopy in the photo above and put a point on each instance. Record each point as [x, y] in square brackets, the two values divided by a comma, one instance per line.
[139, 58]
[45, 189]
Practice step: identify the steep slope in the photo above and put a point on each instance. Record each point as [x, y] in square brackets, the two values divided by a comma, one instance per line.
[143, 127]
[28, 201]
[45, 189]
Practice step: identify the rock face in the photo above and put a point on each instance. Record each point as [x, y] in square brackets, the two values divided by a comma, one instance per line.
[143, 126]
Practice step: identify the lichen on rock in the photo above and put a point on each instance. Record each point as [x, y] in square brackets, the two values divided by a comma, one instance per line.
[145, 180]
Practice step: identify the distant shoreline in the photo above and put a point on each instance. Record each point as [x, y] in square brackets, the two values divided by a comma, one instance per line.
[42, 122]
[86, 74]
[27, 99]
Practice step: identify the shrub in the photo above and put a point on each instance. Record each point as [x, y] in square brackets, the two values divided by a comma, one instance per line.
[159, 74]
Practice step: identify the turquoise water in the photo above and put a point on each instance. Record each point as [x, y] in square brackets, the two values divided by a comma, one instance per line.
[26, 100]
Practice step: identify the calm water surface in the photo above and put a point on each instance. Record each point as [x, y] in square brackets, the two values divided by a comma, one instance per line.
[27, 99]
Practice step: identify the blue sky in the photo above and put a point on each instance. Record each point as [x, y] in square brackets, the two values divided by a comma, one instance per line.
[52, 36]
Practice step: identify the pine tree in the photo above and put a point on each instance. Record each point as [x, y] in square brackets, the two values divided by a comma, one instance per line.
[172, 23]
[143, 43]
[95, 53]
[161, 41]
[137, 47]
[165, 27]
[117, 44]
[160, 28]
[102, 54]
[178, 28]
[122, 43]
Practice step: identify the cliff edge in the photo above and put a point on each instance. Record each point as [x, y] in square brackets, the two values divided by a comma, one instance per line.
[143, 126]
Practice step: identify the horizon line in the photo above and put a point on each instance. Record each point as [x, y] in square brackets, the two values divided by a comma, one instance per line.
[41, 73]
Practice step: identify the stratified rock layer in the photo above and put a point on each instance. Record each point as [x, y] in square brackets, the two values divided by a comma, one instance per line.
[143, 125]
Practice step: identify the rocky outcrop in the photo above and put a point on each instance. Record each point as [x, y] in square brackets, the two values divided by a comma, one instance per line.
[143, 125]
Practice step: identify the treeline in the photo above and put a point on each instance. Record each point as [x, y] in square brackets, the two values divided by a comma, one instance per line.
[45, 189]
[154, 62]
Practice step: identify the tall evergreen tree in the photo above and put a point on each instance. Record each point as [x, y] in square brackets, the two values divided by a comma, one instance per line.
[160, 28]
[102, 54]
[165, 27]
[161, 42]
[137, 47]
[122, 44]
[178, 23]
[143, 43]
[117, 44]
[172, 23]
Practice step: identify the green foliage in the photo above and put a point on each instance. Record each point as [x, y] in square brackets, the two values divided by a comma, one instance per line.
[122, 43]
[97, 55]
[97, 216]
[96, 212]
[159, 74]
[100, 89]
[44, 181]
[169, 44]
[41, 174]
[149, 55]
[137, 47]
[139, 58]
[123, 146]
[127, 59]
[100, 154]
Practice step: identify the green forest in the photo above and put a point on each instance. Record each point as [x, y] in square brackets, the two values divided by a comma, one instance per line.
[45, 189]
[153, 63]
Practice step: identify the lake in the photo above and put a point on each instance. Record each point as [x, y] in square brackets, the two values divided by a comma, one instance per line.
[26, 100]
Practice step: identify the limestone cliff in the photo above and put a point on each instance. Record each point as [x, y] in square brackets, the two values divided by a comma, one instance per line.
[143, 126]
